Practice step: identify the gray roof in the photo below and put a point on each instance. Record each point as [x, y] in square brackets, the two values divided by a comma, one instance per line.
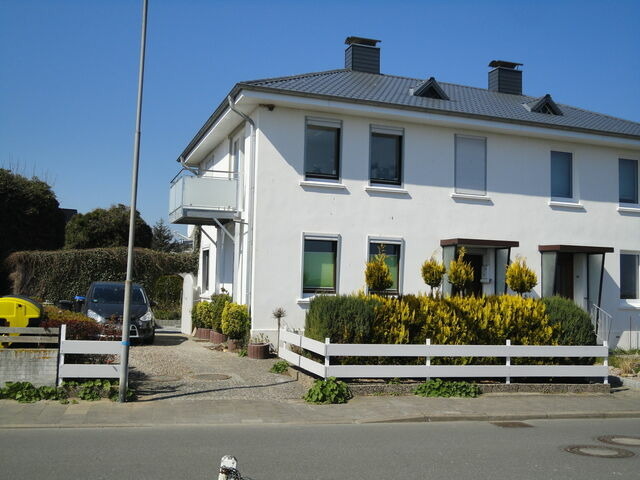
[468, 101]
[393, 91]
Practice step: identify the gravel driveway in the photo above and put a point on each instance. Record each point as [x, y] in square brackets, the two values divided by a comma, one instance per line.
[179, 367]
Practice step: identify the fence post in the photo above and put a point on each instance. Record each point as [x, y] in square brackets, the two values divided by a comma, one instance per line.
[327, 341]
[606, 359]
[508, 363]
[428, 360]
[63, 337]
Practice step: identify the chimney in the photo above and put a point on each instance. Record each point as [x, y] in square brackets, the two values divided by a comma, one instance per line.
[505, 77]
[362, 55]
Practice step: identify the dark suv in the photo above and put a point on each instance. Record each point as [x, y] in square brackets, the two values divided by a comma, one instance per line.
[105, 302]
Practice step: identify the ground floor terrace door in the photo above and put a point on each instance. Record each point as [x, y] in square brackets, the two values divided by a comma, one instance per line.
[574, 272]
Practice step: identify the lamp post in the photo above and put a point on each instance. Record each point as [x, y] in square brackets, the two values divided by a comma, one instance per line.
[124, 356]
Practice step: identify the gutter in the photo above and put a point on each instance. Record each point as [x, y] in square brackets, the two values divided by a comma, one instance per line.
[250, 204]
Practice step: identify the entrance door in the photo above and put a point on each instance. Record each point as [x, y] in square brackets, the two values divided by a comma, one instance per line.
[564, 275]
[476, 286]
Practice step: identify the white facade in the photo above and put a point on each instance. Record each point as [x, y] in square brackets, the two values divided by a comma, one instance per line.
[259, 258]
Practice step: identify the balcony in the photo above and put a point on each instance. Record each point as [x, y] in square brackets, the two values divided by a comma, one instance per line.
[201, 200]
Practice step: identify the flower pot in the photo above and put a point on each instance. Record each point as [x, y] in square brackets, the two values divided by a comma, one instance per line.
[233, 344]
[217, 337]
[259, 351]
[203, 333]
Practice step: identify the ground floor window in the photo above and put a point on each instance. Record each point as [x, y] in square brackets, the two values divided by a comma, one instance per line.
[205, 270]
[319, 265]
[629, 272]
[392, 251]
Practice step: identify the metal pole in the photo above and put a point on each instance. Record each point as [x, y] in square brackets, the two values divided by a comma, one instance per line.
[124, 357]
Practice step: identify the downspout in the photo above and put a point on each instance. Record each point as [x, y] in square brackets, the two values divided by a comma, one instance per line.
[249, 204]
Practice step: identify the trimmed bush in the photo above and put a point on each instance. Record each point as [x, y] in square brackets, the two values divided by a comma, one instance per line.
[377, 274]
[218, 302]
[62, 274]
[460, 273]
[571, 323]
[432, 273]
[342, 318]
[79, 326]
[520, 278]
[235, 320]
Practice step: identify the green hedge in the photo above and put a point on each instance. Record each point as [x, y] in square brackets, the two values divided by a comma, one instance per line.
[62, 274]
[573, 324]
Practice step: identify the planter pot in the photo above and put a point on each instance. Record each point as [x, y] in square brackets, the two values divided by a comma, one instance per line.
[259, 351]
[203, 333]
[232, 345]
[217, 337]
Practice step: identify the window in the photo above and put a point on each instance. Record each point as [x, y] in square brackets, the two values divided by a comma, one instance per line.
[322, 149]
[471, 165]
[205, 270]
[628, 180]
[319, 265]
[629, 272]
[561, 175]
[392, 251]
[386, 155]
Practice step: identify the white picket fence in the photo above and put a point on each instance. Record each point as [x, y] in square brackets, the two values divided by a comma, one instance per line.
[92, 347]
[506, 371]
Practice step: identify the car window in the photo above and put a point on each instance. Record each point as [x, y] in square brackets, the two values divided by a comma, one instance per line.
[115, 294]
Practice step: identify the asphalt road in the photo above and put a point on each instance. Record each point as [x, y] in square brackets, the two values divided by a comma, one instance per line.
[456, 450]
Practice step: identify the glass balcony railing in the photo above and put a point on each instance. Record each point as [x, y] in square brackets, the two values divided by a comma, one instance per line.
[200, 200]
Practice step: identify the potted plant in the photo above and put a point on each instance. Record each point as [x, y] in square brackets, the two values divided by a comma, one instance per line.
[235, 324]
[218, 303]
[199, 315]
[258, 347]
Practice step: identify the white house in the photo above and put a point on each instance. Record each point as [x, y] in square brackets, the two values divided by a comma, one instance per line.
[298, 179]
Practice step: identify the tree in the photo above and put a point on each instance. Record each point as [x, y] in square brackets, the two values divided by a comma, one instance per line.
[432, 273]
[163, 239]
[520, 278]
[30, 217]
[460, 273]
[377, 274]
[106, 228]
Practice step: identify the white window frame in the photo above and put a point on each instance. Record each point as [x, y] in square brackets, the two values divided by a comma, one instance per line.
[304, 296]
[460, 194]
[329, 123]
[625, 206]
[388, 241]
[393, 131]
[630, 302]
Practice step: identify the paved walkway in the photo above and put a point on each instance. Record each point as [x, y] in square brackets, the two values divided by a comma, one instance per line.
[358, 410]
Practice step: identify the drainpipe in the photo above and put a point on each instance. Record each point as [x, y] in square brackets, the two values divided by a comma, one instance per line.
[249, 204]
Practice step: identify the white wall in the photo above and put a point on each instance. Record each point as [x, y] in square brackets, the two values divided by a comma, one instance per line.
[518, 172]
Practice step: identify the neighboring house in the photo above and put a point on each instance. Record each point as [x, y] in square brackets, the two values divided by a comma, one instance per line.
[300, 179]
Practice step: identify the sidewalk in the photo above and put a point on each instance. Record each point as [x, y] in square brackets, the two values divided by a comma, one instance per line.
[375, 409]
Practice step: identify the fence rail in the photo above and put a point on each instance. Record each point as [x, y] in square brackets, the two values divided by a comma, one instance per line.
[91, 347]
[428, 351]
[28, 335]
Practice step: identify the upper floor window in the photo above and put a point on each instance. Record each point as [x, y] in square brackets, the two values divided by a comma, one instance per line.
[320, 265]
[561, 175]
[386, 155]
[471, 165]
[392, 252]
[628, 180]
[629, 273]
[322, 149]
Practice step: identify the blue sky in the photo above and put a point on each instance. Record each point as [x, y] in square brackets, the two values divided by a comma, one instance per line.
[68, 70]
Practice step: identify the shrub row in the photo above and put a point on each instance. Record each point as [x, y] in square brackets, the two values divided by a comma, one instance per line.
[62, 274]
[209, 314]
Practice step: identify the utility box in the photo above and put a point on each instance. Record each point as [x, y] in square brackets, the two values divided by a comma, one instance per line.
[17, 312]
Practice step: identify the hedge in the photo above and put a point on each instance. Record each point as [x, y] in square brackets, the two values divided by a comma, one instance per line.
[62, 274]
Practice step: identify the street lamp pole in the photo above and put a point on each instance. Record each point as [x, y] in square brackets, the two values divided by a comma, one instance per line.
[124, 356]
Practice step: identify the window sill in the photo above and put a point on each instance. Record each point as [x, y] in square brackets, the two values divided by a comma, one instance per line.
[572, 205]
[468, 196]
[631, 304]
[629, 208]
[381, 189]
[309, 183]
